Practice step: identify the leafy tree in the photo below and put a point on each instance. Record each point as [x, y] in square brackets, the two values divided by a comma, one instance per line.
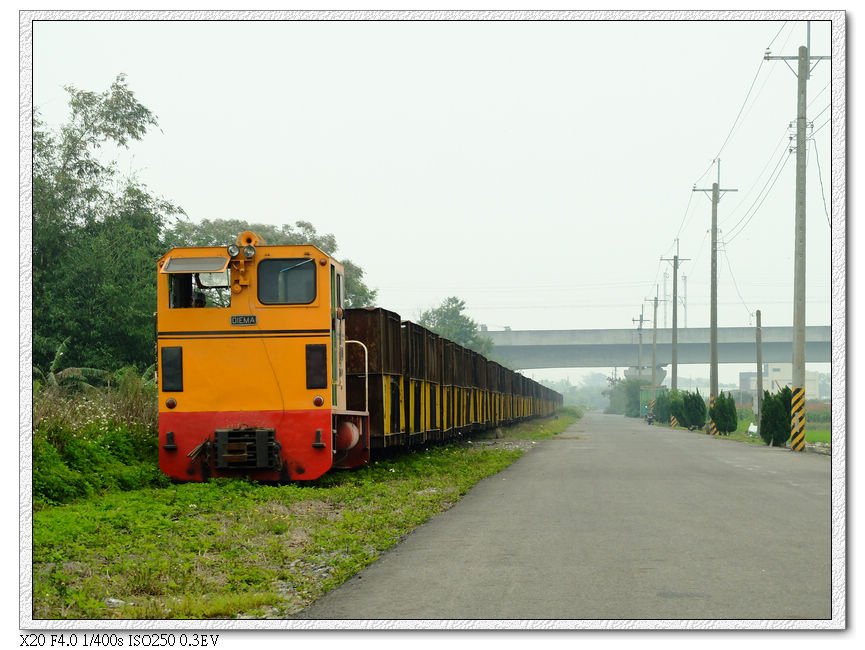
[624, 396]
[589, 394]
[449, 321]
[95, 235]
[632, 396]
[221, 232]
[54, 378]
[615, 393]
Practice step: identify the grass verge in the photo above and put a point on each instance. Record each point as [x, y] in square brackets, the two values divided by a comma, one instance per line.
[234, 549]
[742, 435]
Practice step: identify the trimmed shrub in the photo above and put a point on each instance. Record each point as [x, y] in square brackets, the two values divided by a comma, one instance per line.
[694, 409]
[775, 420]
[723, 413]
[662, 406]
[677, 407]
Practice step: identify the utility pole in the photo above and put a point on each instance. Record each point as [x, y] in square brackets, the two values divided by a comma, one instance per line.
[685, 297]
[654, 346]
[797, 408]
[666, 275]
[640, 348]
[713, 312]
[676, 259]
[758, 414]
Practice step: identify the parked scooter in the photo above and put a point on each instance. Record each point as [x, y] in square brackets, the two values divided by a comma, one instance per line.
[650, 418]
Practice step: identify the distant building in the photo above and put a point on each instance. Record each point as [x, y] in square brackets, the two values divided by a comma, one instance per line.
[778, 375]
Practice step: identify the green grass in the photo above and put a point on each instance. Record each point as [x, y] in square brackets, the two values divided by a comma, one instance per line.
[542, 429]
[226, 549]
[817, 435]
[814, 432]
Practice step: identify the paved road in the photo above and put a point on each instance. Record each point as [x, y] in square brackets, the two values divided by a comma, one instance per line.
[614, 519]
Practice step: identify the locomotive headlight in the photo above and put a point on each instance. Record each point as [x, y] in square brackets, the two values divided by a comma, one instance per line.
[234, 250]
[249, 251]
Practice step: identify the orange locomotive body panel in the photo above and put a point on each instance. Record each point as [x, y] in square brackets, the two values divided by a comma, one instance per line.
[251, 364]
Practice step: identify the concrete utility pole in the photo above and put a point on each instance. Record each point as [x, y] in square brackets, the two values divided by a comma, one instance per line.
[654, 346]
[713, 312]
[676, 259]
[640, 348]
[803, 73]
[758, 413]
[666, 297]
[685, 297]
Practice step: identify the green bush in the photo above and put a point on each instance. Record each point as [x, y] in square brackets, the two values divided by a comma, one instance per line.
[694, 409]
[662, 406]
[723, 413]
[68, 464]
[775, 420]
[677, 407]
[624, 397]
[632, 397]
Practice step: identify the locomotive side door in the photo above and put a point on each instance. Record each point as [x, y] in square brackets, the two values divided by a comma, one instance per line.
[337, 333]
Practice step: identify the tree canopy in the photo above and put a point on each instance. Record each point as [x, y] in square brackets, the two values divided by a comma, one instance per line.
[97, 235]
[449, 321]
[220, 232]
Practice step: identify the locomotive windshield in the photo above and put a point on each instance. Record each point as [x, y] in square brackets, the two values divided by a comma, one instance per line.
[289, 281]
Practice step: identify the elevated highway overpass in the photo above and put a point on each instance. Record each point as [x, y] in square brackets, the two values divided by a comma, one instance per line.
[605, 348]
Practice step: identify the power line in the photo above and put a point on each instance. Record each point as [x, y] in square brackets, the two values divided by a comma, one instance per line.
[685, 216]
[819, 92]
[817, 130]
[747, 95]
[828, 106]
[820, 176]
[401, 309]
[771, 72]
[511, 288]
[735, 122]
[657, 272]
[765, 185]
[733, 277]
[759, 176]
[777, 35]
[753, 210]
[700, 249]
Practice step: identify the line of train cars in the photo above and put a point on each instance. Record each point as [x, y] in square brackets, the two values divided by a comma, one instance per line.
[263, 374]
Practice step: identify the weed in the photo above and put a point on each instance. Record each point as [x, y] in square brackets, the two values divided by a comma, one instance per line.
[228, 548]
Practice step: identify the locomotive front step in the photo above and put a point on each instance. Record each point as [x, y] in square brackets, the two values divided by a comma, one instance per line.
[247, 448]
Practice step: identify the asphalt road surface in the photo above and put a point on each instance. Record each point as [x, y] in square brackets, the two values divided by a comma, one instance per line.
[615, 519]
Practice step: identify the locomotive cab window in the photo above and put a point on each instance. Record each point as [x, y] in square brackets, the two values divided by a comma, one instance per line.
[194, 290]
[289, 281]
[198, 282]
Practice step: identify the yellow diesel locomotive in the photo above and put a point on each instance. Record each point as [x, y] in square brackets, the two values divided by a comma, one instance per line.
[262, 372]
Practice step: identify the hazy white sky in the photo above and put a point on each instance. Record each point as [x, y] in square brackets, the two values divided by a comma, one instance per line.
[537, 169]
